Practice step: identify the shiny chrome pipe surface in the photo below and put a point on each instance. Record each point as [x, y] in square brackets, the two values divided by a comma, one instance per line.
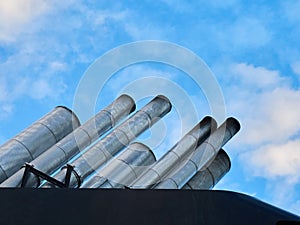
[72, 144]
[176, 154]
[208, 178]
[36, 139]
[122, 170]
[202, 156]
[119, 138]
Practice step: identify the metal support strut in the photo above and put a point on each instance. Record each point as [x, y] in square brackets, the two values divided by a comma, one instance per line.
[39, 174]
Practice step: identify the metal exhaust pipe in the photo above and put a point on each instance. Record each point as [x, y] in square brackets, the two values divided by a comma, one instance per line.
[122, 170]
[208, 178]
[72, 144]
[202, 156]
[119, 138]
[33, 141]
[176, 154]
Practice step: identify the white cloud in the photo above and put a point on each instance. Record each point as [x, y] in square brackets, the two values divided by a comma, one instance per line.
[267, 105]
[296, 68]
[269, 117]
[99, 18]
[276, 160]
[16, 13]
[38, 87]
[256, 77]
[43, 88]
[58, 66]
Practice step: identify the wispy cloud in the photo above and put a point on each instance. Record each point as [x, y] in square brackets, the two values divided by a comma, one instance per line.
[276, 160]
[43, 50]
[265, 102]
[296, 68]
[256, 77]
[268, 107]
[239, 33]
[15, 14]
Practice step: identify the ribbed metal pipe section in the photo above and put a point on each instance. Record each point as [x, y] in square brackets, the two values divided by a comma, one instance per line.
[122, 170]
[208, 178]
[176, 154]
[119, 138]
[33, 141]
[202, 156]
[71, 145]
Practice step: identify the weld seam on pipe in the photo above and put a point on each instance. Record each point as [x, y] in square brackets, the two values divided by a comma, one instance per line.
[90, 138]
[112, 119]
[125, 134]
[66, 156]
[213, 148]
[148, 116]
[32, 158]
[212, 176]
[159, 176]
[122, 169]
[3, 171]
[128, 164]
[175, 153]
[171, 179]
[220, 165]
[196, 167]
[56, 139]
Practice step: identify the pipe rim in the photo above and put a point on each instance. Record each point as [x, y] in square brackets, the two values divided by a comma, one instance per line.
[71, 111]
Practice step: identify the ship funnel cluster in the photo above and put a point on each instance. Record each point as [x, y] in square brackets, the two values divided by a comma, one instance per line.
[58, 152]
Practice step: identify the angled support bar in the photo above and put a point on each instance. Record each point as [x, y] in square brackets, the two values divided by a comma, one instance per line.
[39, 174]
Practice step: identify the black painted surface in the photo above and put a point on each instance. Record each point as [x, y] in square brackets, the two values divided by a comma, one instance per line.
[134, 207]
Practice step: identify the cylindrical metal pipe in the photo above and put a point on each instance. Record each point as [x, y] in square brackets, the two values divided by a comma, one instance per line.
[209, 177]
[34, 140]
[83, 136]
[176, 154]
[119, 138]
[202, 156]
[122, 170]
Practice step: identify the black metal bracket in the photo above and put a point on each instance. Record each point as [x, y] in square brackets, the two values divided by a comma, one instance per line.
[29, 169]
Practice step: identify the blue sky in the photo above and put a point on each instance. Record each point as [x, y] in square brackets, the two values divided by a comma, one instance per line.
[252, 47]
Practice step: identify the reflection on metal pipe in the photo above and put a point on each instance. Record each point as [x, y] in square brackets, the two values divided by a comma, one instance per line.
[122, 170]
[119, 138]
[208, 178]
[176, 154]
[202, 156]
[34, 140]
[83, 136]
